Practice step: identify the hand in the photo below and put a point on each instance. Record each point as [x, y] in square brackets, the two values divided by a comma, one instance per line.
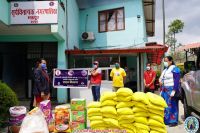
[160, 83]
[172, 93]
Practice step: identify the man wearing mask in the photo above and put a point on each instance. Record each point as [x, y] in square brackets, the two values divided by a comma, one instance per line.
[118, 76]
[95, 81]
[149, 78]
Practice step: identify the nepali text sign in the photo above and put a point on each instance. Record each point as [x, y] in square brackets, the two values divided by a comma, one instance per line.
[34, 12]
[70, 78]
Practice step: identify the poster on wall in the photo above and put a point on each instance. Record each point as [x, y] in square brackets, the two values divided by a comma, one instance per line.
[34, 12]
[70, 78]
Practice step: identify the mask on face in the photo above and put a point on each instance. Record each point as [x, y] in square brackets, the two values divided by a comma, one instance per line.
[44, 66]
[148, 68]
[166, 64]
[94, 66]
[117, 65]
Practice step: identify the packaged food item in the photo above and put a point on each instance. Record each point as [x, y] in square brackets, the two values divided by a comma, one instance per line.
[78, 104]
[45, 106]
[62, 118]
[78, 116]
[34, 122]
[17, 114]
[77, 126]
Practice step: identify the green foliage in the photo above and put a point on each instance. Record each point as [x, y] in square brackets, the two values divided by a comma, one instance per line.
[158, 73]
[176, 26]
[8, 99]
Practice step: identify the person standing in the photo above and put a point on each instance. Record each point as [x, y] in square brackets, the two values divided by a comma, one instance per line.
[118, 76]
[41, 90]
[169, 81]
[149, 78]
[95, 81]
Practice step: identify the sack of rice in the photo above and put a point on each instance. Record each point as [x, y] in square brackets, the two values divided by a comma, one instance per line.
[107, 115]
[124, 104]
[156, 99]
[111, 122]
[126, 117]
[107, 96]
[128, 126]
[141, 126]
[123, 98]
[157, 118]
[142, 120]
[158, 129]
[93, 110]
[141, 114]
[94, 118]
[128, 121]
[109, 110]
[97, 123]
[138, 109]
[108, 103]
[152, 122]
[124, 92]
[157, 112]
[124, 111]
[140, 97]
[94, 105]
[140, 105]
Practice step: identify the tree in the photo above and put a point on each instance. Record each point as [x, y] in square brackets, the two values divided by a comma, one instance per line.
[175, 27]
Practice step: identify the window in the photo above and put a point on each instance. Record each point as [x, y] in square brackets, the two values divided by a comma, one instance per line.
[111, 20]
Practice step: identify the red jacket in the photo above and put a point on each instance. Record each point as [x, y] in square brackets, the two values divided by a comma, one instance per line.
[149, 76]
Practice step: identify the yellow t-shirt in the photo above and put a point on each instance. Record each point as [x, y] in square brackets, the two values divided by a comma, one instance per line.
[117, 75]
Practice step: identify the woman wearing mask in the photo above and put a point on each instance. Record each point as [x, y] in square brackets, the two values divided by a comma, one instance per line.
[169, 81]
[95, 81]
[41, 90]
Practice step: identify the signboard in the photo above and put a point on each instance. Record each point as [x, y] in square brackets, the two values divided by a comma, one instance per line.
[34, 12]
[70, 78]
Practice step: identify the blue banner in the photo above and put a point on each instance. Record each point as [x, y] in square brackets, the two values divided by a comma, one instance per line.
[70, 78]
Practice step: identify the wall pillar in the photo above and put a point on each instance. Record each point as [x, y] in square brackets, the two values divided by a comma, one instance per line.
[62, 64]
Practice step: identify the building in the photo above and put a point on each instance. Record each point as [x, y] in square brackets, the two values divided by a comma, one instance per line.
[86, 30]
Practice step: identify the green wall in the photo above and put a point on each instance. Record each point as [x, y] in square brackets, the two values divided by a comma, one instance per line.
[4, 10]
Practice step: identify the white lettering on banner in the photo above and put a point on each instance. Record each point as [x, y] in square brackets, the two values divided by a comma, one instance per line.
[34, 12]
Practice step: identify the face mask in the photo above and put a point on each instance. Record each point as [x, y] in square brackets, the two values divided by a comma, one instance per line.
[44, 66]
[166, 64]
[94, 66]
[117, 66]
[148, 68]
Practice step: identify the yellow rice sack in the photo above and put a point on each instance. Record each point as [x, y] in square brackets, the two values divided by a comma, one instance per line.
[125, 117]
[129, 126]
[129, 121]
[107, 96]
[111, 122]
[110, 116]
[123, 99]
[140, 97]
[156, 99]
[141, 114]
[142, 131]
[93, 118]
[124, 111]
[94, 110]
[138, 109]
[124, 104]
[108, 110]
[94, 105]
[95, 114]
[130, 131]
[157, 118]
[140, 105]
[158, 129]
[152, 122]
[157, 112]
[155, 107]
[108, 103]
[99, 127]
[141, 126]
[124, 92]
[97, 123]
[142, 120]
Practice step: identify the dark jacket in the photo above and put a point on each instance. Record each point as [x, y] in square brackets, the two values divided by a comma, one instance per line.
[41, 82]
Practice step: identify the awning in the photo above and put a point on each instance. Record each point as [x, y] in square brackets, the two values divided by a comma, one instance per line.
[189, 46]
[154, 52]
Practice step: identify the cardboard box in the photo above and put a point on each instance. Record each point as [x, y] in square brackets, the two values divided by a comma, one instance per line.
[79, 116]
[77, 126]
[78, 104]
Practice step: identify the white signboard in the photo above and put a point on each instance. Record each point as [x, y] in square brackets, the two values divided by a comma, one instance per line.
[34, 12]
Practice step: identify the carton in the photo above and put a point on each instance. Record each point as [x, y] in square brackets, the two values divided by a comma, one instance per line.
[78, 116]
[78, 104]
[77, 126]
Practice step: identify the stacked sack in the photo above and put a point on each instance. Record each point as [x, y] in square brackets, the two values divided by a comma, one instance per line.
[95, 115]
[124, 109]
[156, 109]
[108, 110]
[140, 111]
